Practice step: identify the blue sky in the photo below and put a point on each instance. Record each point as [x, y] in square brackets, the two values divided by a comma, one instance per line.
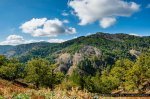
[70, 19]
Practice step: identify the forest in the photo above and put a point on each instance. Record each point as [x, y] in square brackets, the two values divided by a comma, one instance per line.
[107, 65]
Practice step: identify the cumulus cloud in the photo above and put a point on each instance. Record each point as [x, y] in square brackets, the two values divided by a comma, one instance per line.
[17, 40]
[44, 27]
[107, 22]
[90, 11]
[13, 40]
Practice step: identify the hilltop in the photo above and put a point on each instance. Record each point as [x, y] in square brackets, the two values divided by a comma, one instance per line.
[112, 46]
[102, 49]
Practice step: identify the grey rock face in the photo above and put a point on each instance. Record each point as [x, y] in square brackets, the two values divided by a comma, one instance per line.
[68, 62]
[64, 61]
[135, 53]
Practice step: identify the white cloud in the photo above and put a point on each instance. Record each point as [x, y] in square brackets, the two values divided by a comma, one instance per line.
[13, 40]
[56, 40]
[47, 28]
[140, 35]
[90, 11]
[134, 34]
[17, 40]
[148, 6]
[65, 14]
[65, 21]
[107, 22]
[75, 37]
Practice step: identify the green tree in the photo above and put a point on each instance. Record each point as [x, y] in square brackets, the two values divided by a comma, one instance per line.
[139, 73]
[12, 70]
[120, 70]
[104, 83]
[52, 77]
[96, 81]
[36, 70]
[41, 73]
[87, 66]
[111, 79]
[3, 60]
[78, 79]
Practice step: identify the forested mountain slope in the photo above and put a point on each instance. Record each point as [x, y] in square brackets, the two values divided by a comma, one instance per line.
[112, 46]
[99, 63]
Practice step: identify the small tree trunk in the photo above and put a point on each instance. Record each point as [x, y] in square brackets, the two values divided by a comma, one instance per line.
[37, 85]
[51, 85]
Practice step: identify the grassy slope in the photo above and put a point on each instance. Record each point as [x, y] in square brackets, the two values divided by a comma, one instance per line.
[8, 90]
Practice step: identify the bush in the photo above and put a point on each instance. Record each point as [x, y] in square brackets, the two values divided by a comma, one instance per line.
[21, 96]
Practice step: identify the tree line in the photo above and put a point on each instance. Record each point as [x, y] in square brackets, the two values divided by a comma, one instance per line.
[125, 74]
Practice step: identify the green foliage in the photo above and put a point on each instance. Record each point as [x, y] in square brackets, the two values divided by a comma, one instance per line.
[3, 60]
[52, 78]
[127, 75]
[102, 84]
[125, 71]
[87, 66]
[124, 74]
[1, 97]
[21, 96]
[113, 46]
[108, 83]
[120, 70]
[11, 70]
[41, 73]
[139, 73]
[36, 70]
[77, 79]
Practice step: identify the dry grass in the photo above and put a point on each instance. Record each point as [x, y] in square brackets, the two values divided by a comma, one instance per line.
[10, 91]
[7, 89]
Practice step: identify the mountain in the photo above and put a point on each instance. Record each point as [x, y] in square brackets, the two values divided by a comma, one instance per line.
[99, 63]
[19, 50]
[107, 43]
[100, 50]
[5, 48]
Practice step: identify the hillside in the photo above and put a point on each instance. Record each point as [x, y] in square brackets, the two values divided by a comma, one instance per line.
[19, 50]
[112, 46]
[101, 49]
[5, 48]
[99, 63]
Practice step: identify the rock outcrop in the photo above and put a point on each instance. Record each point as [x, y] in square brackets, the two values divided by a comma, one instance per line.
[67, 62]
[135, 53]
